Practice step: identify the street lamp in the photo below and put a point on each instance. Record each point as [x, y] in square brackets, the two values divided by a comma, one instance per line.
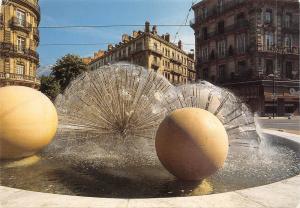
[272, 76]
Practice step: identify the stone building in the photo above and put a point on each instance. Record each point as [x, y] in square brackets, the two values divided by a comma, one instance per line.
[251, 47]
[147, 48]
[19, 39]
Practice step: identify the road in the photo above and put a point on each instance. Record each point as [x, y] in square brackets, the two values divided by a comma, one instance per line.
[288, 125]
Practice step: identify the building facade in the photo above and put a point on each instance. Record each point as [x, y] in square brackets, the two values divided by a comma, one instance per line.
[19, 39]
[152, 51]
[251, 47]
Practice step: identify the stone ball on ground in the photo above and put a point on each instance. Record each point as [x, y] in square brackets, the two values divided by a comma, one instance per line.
[191, 143]
[28, 121]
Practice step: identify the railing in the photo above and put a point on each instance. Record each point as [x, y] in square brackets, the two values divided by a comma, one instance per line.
[293, 27]
[156, 50]
[176, 60]
[156, 64]
[21, 24]
[10, 48]
[285, 50]
[36, 34]
[21, 77]
[231, 28]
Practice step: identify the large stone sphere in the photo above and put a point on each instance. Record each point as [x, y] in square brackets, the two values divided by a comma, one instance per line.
[28, 121]
[191, 143]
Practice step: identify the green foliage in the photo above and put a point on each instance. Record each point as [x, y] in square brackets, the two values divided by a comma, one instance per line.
[67, 68]
[63, 72]
[50, 87]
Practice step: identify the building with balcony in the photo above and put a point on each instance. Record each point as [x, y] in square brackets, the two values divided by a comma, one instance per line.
[251, 47]
[19, 39]
[152, 51]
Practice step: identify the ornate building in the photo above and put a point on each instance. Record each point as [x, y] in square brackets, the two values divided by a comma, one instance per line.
[19, 39]
[251, 47]
[147, 48]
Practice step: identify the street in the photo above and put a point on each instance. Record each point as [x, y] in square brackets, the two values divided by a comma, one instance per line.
[285, 124]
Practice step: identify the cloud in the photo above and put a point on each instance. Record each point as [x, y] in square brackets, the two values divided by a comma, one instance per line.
[44, 70]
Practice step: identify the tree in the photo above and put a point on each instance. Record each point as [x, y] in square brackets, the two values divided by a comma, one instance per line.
[66, 69]
[50, 87]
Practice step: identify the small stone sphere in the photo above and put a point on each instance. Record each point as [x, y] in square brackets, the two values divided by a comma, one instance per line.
[191, 143]
[28, 121]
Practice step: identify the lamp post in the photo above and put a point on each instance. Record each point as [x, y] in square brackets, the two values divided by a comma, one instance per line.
[272, 76]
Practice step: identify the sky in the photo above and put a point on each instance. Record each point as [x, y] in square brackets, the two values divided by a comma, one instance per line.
[105, 12]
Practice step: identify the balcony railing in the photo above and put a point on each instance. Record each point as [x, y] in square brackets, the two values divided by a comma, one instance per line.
[283, 51]
[229, 29]
[156, 50]
[19, 51]
[156, 64]
[21, 25]
[176, 60]
[217, 11]
[291, 28]
[36, 34]
[19, 77]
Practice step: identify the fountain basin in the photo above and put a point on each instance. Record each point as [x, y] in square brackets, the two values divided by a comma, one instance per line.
[283, 193]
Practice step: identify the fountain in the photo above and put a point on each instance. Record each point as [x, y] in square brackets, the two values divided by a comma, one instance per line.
[104, 146]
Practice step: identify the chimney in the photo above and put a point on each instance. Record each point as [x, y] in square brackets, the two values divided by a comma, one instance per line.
[109, 47]
[167, 37]
[125, 38]
[180, 44]
[163, 36]
[134, 34]
[147, 26]
[154, 29]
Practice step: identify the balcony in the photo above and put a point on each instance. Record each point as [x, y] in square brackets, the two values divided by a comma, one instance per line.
[19, 77]
[22, 25]
[15, 51]
[292, 28]
[156, 51]
[176, 60]
[155, 64]
[36, 34]
[280, 50]
[1, 20]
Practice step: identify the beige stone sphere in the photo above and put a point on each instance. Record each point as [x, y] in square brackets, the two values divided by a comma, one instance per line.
[191, 143]
[28, 121]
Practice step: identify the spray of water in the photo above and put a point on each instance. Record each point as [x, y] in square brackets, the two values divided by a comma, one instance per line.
[115, 111]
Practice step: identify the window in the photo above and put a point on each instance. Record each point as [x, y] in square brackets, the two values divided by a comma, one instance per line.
[205, 74]
[269, 41]
[205, 53]
[268, 16]
[204, 12]
[241, 43]
[221, 27]
[20, 69]
[222, 48]
[241, 66]
[20, 44]
[289, 69]
[288, 44]
[221, 73]
[204, 33]
[287, 20]
[269, 67]
[221, 5]
[20, 18]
